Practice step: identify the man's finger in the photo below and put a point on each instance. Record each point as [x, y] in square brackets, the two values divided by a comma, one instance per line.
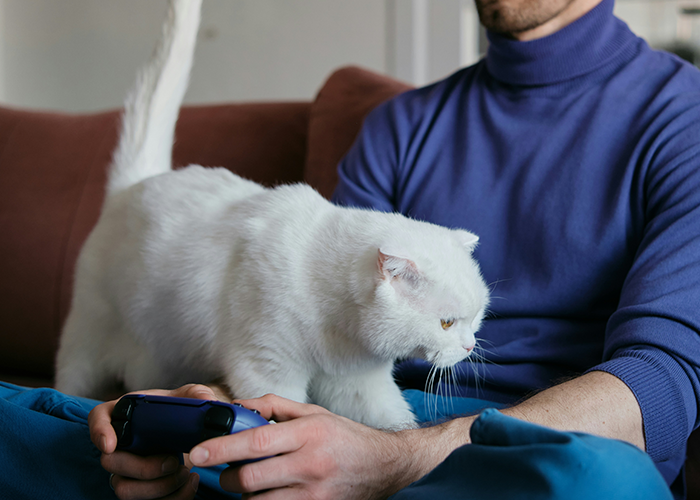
[101, 431]
[290, 493]
[127, 464]
[279, 409]
[181, 486]
[194, 391]
[264, 441]
[271, 473]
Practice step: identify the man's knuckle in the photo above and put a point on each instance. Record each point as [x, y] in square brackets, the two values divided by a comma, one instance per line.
[321, 428]
[260, 440]
[317, 469]
[269, 398]
[319, 410]
[198, 389]
[249, 477]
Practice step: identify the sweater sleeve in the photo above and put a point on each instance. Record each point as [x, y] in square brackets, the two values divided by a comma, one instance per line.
[367, 174]
[652, 340]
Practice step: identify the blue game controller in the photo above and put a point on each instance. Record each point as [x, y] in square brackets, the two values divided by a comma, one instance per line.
[153, 425]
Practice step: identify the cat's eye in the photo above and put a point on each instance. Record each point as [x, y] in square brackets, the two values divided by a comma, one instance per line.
[446, 323]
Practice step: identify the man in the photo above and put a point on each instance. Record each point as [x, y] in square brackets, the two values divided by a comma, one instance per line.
[573, 151]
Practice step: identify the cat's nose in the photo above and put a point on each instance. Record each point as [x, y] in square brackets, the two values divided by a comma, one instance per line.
[468, 348]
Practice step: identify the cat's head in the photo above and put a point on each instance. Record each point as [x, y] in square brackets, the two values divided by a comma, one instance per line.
[429, 298]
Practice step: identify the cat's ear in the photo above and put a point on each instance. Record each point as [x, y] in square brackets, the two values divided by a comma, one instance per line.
[392, 267]
[466, 239]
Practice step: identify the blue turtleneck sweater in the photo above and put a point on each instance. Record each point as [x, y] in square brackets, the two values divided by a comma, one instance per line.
[576, 159]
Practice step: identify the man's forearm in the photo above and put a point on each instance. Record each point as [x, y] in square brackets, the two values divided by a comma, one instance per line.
[596, 403]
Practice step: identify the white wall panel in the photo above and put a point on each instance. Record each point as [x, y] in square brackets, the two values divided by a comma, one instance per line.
[82, 55]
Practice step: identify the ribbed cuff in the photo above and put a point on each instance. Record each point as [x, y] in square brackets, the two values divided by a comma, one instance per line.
[652, 376]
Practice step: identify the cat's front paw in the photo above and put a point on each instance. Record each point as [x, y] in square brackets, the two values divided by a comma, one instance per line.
[403, 426]
[399, 421]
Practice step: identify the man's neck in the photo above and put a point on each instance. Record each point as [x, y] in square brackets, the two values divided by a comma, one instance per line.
[571, 13]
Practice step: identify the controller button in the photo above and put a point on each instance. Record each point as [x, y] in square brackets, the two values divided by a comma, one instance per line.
[124, 435]
[256, 412]
[219, 418]
[123, 409]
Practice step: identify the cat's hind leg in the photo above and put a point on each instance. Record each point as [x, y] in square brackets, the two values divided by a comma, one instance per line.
[84, 361]
[368, 396]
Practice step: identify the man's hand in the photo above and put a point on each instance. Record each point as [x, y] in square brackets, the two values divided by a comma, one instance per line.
[314, 454]
[137, 477]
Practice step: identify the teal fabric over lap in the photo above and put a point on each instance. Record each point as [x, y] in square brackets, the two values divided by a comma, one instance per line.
[512, 459]
[436, 407]
[45, 447]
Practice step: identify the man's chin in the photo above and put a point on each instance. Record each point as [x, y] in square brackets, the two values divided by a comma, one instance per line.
[511, 17]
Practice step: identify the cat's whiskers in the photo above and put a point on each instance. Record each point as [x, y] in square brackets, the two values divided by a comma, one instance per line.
[475, 371]
[458, 371]
[492, 287]
[439, 401]
[430, 381]
[438, 392]
[426, 391]
[480, 345]
[459, 368]
[435, 390]
[452, 379]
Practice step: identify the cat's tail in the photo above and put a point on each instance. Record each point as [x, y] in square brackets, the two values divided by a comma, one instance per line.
[152, 107]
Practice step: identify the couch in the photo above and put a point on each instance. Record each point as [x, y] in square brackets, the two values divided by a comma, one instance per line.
[52, 177]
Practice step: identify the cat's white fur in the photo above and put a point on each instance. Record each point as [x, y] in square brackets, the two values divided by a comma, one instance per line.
[197, 274]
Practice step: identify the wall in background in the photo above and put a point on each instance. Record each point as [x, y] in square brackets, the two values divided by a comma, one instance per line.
[666, 24]
[82, 55]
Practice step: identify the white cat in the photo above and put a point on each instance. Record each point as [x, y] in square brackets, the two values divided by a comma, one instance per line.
[197, 274]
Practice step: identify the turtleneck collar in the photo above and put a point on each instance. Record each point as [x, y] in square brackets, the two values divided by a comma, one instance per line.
[575, 50]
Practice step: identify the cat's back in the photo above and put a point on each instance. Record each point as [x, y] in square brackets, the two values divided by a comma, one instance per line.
[168, 218]
[166, 205]
[194, 188]
[290, 202]
[279, 232]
